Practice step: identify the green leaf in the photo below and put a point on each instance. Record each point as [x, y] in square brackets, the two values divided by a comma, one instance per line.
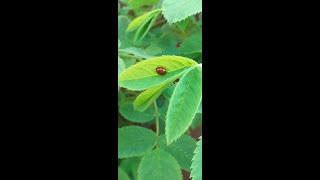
[184, 104]
[200, 108]
[168, 44]
[137, 22]
[127, 111]
[130, 165]
[159, 165]
[196, 167]
[128, 61]
[197, 121]
[169, 91]
[135, 141]
[143, 75]
[184, 24]
[123, 22]
[192, 44]
[136, 52]
[121, 98]
[138, 3]
[143, 24]
[145, 27]
[182, 150]
[146, 98]
[178, 10]
[121, 65]
[153, 49]
[163, 104]
[122, 175]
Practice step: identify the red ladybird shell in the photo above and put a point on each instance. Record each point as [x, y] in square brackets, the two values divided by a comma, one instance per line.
[161, 70]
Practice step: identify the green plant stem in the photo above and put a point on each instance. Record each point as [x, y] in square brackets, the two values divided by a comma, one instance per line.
[157, 117]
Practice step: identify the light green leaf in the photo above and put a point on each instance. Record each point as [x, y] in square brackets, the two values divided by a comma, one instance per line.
[146, 98]
[178, 10]
[196, 167]
[135, 141]
[138, 22]
[145, 27]
[159, 165]
[127, 111]
[182, 150]
[184, 104]
[143, 75]
[122, 175]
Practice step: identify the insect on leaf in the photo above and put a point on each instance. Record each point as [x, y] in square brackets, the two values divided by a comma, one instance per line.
[143, 75]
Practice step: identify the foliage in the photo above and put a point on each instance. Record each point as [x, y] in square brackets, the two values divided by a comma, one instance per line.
[196, 166]
[160, 88]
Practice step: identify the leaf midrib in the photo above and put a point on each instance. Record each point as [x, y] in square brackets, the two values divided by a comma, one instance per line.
[155, 75]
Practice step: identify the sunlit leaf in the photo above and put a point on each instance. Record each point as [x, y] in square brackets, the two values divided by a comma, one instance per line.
[143, 75]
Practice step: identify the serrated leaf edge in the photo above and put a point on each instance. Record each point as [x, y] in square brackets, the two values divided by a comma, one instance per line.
[195, 152]
[170, 23]
[173, 140]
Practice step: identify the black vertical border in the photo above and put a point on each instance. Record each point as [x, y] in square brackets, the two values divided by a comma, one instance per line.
[62, 116]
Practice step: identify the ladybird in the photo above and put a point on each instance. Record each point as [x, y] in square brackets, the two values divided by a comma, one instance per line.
[161, 70]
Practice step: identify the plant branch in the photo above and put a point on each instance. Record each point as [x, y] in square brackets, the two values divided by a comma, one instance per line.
[156, 114]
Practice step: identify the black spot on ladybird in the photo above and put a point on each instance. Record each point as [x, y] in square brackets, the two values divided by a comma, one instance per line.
[161, 70]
